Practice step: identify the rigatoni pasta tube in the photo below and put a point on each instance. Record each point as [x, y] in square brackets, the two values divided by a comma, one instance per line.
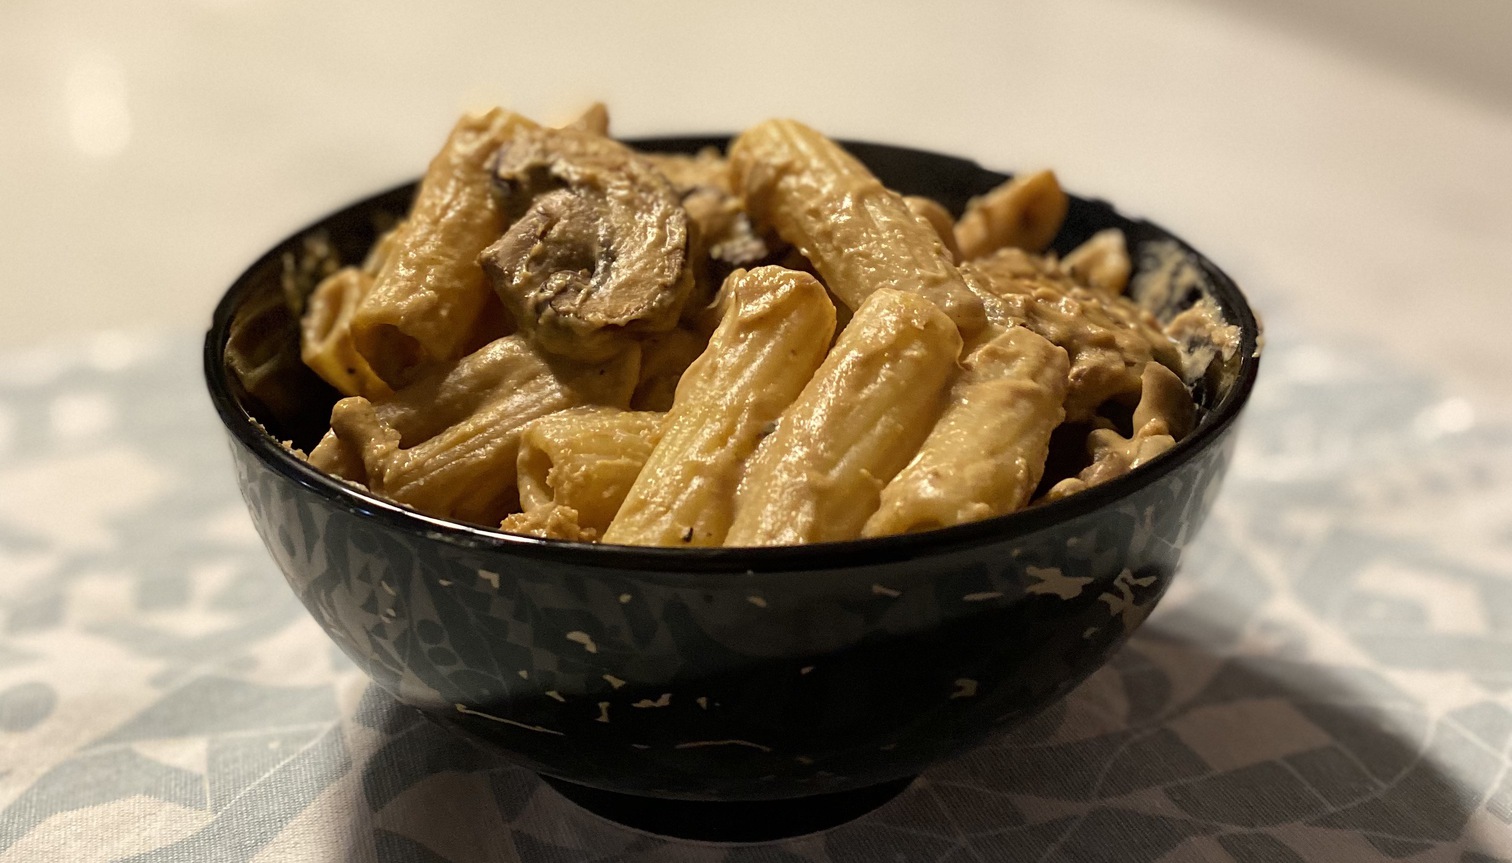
[939, 218]
[586, 459]
[447, 445]
[430, 288]
[1023, 213]
[325, 342]
[986, 454]
[1101, 262]
[819, 475]
[775, 328]
[860, 235]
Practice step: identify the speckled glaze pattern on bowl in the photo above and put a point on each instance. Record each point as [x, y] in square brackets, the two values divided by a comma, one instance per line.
[722, 674]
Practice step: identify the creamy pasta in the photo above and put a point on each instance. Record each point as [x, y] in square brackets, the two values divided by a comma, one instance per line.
[570, 339]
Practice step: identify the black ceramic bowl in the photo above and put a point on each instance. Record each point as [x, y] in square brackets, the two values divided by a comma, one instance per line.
[712, 674]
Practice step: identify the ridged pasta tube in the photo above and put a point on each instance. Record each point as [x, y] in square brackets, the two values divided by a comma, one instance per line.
[325, 342]
[860, 419]
[447, 445]
[860, 236]
[1023, 213]
[430, 289]
[1102, 262]
[987, 453]
[585, 459]
[775, 328]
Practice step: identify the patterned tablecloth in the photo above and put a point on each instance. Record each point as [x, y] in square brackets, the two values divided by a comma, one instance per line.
[1329, 680]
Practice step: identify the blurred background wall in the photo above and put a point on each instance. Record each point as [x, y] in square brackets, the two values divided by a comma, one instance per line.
[1350, 161]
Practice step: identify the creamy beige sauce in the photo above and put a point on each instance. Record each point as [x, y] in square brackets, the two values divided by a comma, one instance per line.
[1169, 283]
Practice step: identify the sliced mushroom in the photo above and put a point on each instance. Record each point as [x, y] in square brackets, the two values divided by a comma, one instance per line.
[599, 251]
[721, 236]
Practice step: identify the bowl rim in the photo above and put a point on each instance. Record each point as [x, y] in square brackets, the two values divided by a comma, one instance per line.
[246, 431]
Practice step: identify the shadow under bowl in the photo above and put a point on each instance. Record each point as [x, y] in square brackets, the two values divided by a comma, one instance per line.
[713, 674]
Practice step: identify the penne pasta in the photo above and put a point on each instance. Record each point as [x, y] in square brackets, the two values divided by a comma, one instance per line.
[325, 342]
[860, 235]
[383, 249]
[1101, 262]
[774, 332]
[987, 453]
[575, 340]
[448, 444]
[939, 218]
[584, 459]
[1023, 213]
[430, 289]
[860, 419]
[594, 120]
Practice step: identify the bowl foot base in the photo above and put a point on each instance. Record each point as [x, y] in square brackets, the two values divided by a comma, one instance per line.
[730, 821]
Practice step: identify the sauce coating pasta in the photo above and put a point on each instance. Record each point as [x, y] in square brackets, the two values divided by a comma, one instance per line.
[570, 339]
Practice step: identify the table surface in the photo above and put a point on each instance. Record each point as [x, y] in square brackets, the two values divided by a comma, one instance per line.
[1330, 679]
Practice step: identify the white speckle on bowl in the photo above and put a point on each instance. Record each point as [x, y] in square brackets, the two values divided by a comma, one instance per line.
[965, 688]
[1049, 580]
[583, 638]
[462, 708]
[664, 701]
[880, 590]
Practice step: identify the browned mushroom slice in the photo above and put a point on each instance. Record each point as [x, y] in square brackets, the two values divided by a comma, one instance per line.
[721, 237]
[703, 181]
[600, 250]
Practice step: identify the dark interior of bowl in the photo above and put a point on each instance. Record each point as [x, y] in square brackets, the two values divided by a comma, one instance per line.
[830, 672]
